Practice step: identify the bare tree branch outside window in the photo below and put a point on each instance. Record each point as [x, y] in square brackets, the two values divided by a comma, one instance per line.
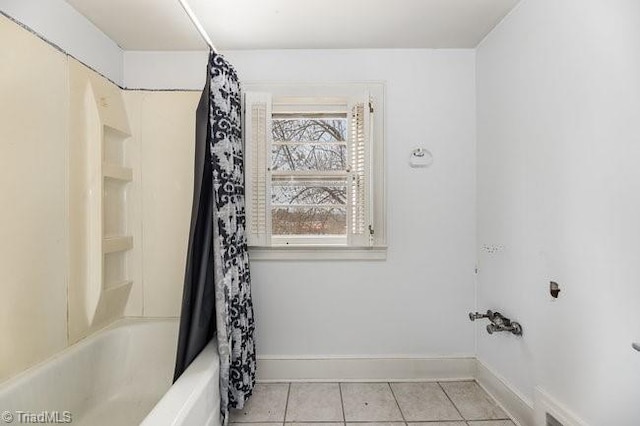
[309, 194]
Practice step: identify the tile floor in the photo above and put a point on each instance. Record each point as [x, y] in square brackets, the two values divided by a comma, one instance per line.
[362, 404]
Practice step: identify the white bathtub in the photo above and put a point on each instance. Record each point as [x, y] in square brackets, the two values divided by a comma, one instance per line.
[120, 376]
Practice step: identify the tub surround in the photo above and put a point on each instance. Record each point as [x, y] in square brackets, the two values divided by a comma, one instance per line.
[95, 230]
[33, 235]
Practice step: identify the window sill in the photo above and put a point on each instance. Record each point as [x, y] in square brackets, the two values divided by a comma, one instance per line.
[317, 253]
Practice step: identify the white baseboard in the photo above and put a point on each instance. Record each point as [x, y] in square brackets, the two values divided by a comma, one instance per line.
[545, 404]
[518, 408]
[275, 369]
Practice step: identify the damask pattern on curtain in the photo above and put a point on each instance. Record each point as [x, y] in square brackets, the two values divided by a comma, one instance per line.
[234, 309]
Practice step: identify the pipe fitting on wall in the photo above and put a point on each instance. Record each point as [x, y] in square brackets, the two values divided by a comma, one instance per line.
[499, 323]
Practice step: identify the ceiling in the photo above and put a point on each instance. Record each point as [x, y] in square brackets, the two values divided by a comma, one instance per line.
[296, 24]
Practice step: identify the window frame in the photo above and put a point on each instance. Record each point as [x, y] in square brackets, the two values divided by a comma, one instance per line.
[377, 248]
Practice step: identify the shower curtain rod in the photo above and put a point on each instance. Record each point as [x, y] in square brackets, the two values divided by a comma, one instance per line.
[197, 24]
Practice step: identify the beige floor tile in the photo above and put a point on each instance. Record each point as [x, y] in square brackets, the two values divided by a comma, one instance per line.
[259, 424]
[315, 424]
[424, 402]
[376, 424]
[267, 404]
[437, 424]
[369, 402]
[314, 402]
[472, 401]
[492, 423]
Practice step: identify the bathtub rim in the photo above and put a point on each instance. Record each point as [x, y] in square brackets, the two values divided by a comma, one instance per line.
[100, 333]
[176, 404]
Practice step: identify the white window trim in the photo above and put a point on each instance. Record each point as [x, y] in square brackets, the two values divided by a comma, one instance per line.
[317, 253]
[378, 251]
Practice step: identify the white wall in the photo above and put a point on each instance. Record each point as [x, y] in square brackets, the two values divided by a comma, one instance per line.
[559, 196]
[415, 302]
[59, 23]
[165, 70]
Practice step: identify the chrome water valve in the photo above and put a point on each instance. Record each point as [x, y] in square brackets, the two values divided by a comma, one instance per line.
[499, 323]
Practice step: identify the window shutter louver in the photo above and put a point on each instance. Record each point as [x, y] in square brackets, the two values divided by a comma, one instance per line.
[360, 214]
[257, 125]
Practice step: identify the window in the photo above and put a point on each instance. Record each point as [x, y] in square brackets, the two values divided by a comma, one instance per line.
[314, 171]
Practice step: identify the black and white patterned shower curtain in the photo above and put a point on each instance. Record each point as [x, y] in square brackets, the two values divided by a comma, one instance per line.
[234, 308]
[217, 287]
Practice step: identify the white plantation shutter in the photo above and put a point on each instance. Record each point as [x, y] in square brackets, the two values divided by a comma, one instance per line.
[257, 128]
[360, 224]
[363, 176]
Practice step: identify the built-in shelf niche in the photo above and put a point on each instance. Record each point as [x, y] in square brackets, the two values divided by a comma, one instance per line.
[115, 273]
[114, 208]
[117, 244]
[102, 195]
[113, 146]
[117, 173]
[116, 237]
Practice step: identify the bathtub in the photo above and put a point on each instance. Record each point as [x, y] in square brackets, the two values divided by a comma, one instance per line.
[120, 376]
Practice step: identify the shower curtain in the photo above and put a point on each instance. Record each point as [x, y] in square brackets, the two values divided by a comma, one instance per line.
[217, 285]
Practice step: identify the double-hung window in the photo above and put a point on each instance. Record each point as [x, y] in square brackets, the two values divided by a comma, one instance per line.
[314, 171]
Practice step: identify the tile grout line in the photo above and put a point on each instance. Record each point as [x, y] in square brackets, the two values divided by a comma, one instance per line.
[344, 417]
[286, 405]
[397, 404]
[453, 403]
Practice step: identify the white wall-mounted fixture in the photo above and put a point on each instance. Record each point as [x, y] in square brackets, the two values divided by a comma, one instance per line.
[420, 158]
